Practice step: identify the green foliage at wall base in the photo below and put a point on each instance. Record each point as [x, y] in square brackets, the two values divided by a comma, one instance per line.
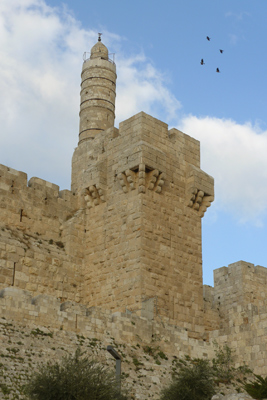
[75, 378]
[194, 382]
[258, 388]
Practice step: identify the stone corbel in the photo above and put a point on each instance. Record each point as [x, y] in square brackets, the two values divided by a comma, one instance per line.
[131, 178]
[199, 189]
[141, 178]
[199, 201]
[127, 180]
[155, 180]
[94, 195]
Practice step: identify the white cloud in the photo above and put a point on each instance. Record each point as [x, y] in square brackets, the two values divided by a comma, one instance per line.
[233, 38]
[238, 16]
[142, 88]
[39, 86]
[236, 156]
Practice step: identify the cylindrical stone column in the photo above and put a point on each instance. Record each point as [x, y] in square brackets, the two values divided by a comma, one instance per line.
[98, 92]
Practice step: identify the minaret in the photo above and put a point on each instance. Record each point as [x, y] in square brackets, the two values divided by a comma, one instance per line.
[97, 112]
[98, 92]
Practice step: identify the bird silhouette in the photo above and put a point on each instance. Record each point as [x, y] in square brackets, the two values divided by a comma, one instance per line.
[221, 51]
[202, 61]
[208, 38]
[217, 70]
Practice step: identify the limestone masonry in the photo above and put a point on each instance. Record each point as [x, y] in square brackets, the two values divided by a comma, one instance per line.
[124, 244]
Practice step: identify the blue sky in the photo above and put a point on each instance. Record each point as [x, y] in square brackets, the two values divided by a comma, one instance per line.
[158, 47]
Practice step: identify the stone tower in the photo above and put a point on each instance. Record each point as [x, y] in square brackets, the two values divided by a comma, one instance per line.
[143, 196]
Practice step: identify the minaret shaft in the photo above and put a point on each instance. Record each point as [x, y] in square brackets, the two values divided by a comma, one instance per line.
[98, 92]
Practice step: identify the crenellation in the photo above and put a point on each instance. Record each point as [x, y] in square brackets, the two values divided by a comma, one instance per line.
[39, 184]
[241, 282]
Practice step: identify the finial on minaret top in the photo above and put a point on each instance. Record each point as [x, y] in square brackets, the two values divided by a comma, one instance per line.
[99, 37]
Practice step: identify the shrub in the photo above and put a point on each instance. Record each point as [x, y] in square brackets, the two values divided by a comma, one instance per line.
[223, 363]
[258, 388]
[75, 378]
[193, 382]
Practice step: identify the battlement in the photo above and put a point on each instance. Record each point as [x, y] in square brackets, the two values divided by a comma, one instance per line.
[45, 186]
[240, 283]
[25, 203]
[243, 268]
[16, 183]
[11, 179]
[37, 231]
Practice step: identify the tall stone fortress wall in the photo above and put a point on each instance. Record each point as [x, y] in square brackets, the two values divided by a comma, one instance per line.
[124, 244]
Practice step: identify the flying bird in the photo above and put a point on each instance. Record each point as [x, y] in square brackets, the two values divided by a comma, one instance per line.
[202, 61]
[208, 38]
[221, 51]
[217, 70]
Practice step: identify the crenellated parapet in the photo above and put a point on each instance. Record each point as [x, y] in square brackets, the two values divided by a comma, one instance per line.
[14, 186]
[12, 180]
[240, 283]
[39, 236]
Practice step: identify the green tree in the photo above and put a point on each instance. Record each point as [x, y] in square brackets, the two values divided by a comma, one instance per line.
[75, 378]
[193, 382]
